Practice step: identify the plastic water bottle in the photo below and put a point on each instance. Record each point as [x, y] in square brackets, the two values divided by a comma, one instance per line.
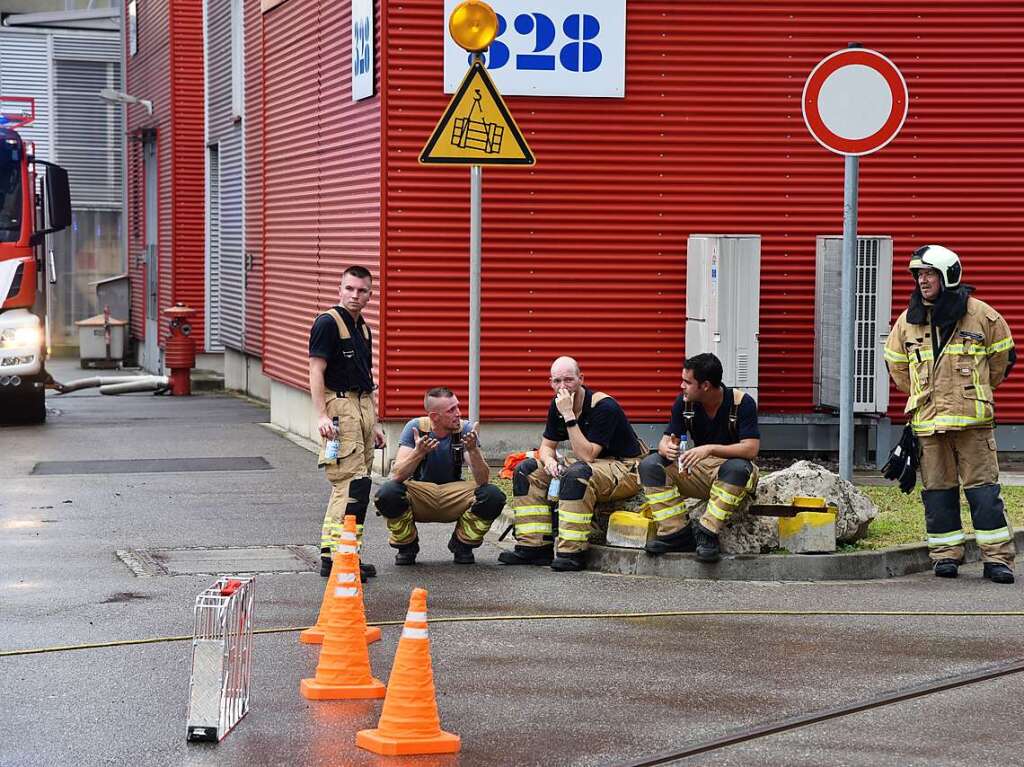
[333, 446]
[681, 441]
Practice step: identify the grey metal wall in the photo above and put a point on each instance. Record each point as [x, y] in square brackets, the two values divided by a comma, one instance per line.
[224, 128]
[25, 72]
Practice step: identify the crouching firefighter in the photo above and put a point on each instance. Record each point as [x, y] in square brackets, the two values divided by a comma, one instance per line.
[342, 390]
[426, 482]
[948, 352]
[607, 451]
[707, 453]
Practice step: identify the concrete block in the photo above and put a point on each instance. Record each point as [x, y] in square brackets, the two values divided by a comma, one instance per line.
[629, 530]
[809, 532]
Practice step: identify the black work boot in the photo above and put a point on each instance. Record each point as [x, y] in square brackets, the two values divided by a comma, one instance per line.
[708, 549]
[407, 553]
[997, 572]
[367, 571]
[681, 540]
[947, 568]
[325, 565]
[569, 563]
[527, 555]
[463, 551]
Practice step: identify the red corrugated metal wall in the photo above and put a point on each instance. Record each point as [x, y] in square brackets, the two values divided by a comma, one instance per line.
[322, 176]
[254, 166]
[585, 254]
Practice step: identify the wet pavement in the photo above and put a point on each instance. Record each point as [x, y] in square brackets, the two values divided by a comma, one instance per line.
[533, 688]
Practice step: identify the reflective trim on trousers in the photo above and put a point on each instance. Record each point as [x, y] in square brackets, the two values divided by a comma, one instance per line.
[954, 538]
[1000, 535]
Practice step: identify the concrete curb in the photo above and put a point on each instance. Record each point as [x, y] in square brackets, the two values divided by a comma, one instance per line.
[858, 565]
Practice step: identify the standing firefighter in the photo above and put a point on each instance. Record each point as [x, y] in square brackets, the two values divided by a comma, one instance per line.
[426, 482]
[948, 351]
[607, 452]
[341, 386]
[720, 425]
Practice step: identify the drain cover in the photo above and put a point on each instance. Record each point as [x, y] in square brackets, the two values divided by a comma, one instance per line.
[151, 465]
[217, 560]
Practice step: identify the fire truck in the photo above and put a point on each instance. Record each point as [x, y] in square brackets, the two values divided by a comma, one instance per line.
[35, 201]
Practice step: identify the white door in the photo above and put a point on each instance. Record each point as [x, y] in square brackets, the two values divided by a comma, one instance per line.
[151, 360]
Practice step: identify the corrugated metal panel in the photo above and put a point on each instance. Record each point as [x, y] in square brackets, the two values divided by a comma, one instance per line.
[321, 173]
[213, 250]
[25, 72]
[227, 132]
[85, 47]
[585, 254]
[254, 152]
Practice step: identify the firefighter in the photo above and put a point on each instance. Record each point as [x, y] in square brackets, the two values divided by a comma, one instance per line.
[707, 452]
[948, 352]
[607, 452]
[426, 483]
[343, 393]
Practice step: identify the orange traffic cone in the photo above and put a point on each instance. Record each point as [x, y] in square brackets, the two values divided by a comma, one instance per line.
[344, 667]
[347, 544]
[409, 723]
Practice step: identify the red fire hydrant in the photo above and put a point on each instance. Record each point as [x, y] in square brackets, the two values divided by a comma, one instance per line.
[180, 353]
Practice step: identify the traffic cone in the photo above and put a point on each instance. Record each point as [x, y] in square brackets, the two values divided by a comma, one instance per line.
[347, 544]
[409, 723]
[343, 670]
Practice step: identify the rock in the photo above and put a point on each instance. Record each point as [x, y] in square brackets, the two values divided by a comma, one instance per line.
[744, 534]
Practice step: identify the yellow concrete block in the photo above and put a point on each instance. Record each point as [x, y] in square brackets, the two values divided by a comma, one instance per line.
[629, 530]
[809, 502]
[808, 531]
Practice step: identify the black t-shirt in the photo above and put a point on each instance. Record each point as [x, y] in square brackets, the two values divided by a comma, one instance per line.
[604, 424]
[706, 431]
[349, 361]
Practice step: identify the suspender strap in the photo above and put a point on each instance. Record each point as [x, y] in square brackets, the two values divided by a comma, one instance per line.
[343, 328]
[737, 398]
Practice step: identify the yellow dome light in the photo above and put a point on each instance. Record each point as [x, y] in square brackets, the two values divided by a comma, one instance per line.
[473, 25]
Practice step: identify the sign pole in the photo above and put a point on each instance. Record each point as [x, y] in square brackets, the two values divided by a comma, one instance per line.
[476, 184]
[848, 316]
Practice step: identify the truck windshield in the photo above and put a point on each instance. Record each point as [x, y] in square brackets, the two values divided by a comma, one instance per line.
[10, 191]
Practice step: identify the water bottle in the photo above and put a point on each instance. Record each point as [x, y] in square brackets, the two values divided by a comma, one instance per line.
[681, 442]
[333, 444]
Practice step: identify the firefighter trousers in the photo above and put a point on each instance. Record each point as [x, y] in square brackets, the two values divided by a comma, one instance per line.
[473, 508]
[349, 475]
[723, 482]
[968, 458]
[583, 485]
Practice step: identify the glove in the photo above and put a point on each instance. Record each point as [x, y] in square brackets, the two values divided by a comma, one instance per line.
[902, 463]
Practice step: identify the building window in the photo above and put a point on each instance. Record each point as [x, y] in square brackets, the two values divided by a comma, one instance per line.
[237, 63]
[133, 27]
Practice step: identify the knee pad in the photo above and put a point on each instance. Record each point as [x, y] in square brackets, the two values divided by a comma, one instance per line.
[521, 476]
[652, 471]
[574, 481]
[736, 471]
[987, 510]
[941, 510]
[358, 498]
[489, 502]
[391, 501]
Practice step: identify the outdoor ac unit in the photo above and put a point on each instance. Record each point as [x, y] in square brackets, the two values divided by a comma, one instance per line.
[723, 295]
[874, 308]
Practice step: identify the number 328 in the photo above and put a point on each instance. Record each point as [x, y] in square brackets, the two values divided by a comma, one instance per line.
[578, 55]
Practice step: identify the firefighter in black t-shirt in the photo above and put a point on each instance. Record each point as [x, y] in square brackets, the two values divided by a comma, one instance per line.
[723, 439]
[341, 386]
[607, 452]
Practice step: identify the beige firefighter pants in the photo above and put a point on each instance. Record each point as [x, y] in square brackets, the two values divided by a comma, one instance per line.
[667, 503]
[356, 419]
[430, 502]
[965, 458]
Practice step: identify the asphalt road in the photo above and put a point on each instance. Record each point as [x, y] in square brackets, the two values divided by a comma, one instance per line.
[519, 691]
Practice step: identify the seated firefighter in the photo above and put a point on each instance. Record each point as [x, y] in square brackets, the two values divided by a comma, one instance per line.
[426, 485]
[607, 452]
[721, 426]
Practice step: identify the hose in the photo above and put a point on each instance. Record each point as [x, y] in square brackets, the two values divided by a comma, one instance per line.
[116, 384]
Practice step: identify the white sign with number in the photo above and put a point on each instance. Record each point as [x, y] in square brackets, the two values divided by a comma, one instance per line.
[362, 49]
[545, 48]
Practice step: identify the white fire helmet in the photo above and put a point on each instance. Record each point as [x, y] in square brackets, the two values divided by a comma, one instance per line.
[943, 260]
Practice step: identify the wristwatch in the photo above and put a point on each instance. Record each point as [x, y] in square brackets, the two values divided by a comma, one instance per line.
[570, 422]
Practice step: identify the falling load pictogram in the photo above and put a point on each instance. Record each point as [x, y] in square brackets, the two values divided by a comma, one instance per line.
[468, 133]
[221, 658]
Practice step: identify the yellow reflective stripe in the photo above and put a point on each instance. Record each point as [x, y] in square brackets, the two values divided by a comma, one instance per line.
[533, 527]
[574, 516]
[946, 539]
[894, 356]
[992, 536]
[1001, 346]
[526, 510]
[667, 495]
[672, 511]
[718, 512]
[727, 497]
[926, 354]
[573, 535]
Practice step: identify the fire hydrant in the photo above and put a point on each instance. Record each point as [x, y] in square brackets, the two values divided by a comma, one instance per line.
[180, 353]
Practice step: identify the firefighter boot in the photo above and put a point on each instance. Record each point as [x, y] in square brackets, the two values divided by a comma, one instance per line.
[997, 572]
[569, 562]
[407, 552]
[527, 555]
[947, 568]
[463, 551]
[708, 549]
[681, 540]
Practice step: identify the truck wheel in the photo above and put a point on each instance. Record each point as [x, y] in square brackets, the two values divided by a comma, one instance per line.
[25, 407]
[34, 403]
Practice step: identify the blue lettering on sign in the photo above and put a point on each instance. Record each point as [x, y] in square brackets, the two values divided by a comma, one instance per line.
[578, 55]
[361, 47]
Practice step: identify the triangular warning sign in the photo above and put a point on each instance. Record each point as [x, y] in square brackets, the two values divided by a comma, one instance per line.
[477, 128]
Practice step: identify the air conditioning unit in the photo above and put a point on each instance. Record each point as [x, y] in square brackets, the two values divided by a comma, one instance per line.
[723, 296]
[873, 285]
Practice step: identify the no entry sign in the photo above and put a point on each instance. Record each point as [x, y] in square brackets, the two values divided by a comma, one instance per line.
[855, 101]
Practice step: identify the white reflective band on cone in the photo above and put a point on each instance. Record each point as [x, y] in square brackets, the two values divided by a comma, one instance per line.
[347, 548]
[411, 616]
[346, 577]
[345, 591]
[412, 633]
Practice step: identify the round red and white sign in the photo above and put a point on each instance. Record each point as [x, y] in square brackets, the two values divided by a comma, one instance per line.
[855, 101]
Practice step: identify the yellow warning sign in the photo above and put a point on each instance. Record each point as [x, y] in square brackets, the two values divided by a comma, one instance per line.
[477, 128]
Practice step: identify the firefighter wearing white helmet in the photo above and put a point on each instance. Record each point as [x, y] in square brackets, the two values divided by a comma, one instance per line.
[948, 351]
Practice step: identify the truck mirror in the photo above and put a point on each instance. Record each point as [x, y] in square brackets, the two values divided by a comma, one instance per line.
[58, 193]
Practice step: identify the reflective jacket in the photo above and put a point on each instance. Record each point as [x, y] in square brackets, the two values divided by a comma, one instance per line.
[955, 391]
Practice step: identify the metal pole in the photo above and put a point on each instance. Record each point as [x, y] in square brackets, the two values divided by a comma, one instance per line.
[475, 227]
[848, 316]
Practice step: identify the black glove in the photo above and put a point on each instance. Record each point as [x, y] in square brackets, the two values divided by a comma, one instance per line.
[902, 463]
